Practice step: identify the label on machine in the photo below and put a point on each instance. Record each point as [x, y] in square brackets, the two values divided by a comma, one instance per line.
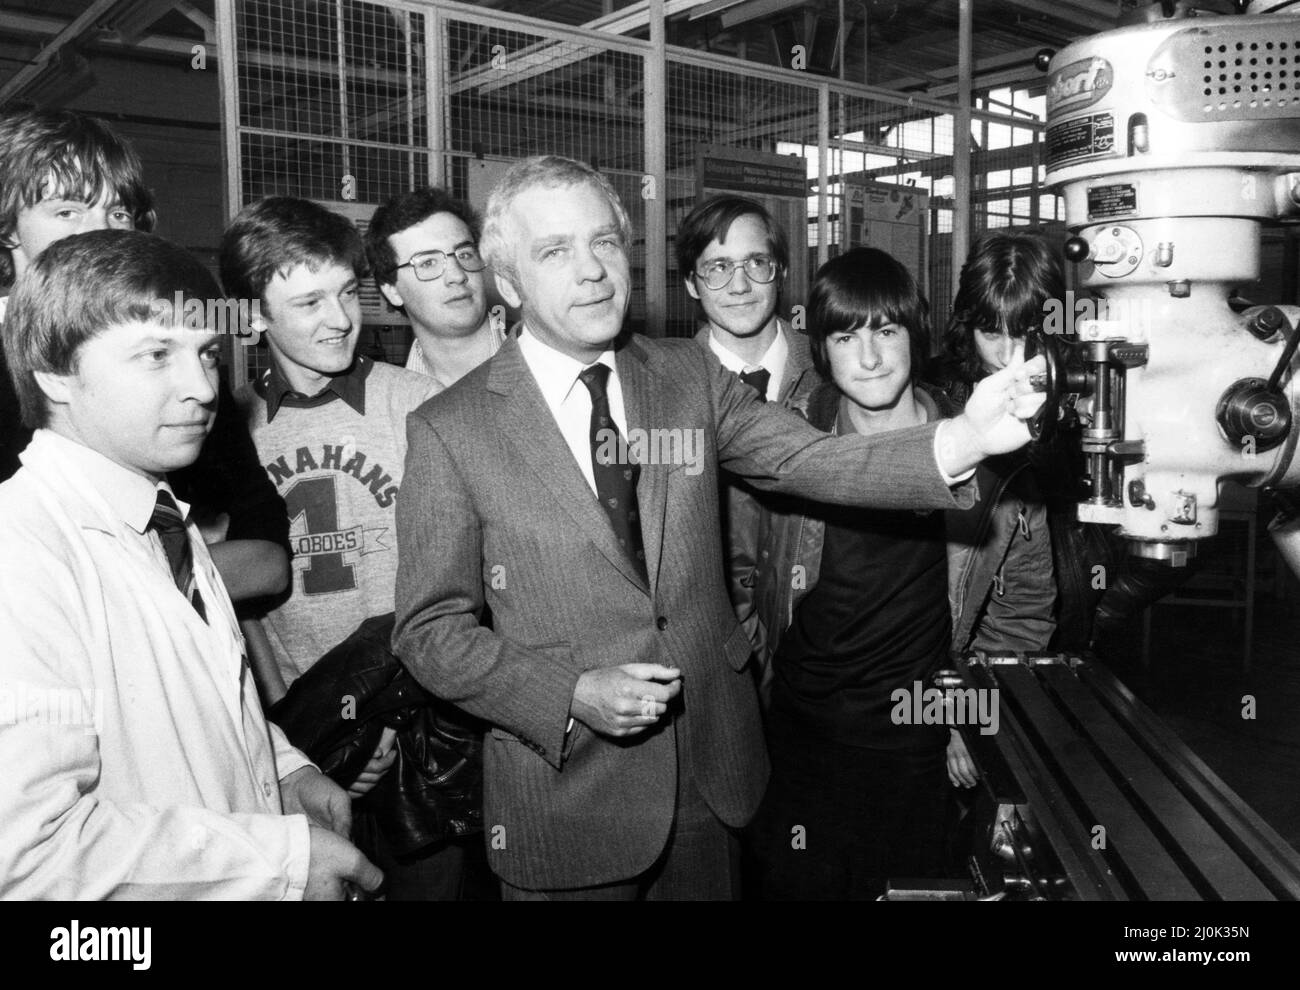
[1107, 202]
[1080, 139]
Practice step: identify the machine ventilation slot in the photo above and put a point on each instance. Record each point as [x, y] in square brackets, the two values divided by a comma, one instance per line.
[1251, 75]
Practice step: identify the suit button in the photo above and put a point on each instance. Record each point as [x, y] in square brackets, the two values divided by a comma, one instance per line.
[661, 623]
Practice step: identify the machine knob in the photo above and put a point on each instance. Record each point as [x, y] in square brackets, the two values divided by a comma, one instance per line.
[1267, 322]
[1077, 250]
[1250, 408]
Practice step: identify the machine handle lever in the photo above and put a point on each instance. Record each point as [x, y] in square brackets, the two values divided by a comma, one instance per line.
[1284, 361]
[1127, 448]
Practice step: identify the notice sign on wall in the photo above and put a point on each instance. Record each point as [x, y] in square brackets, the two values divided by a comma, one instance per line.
[735, 170]
[778, 182]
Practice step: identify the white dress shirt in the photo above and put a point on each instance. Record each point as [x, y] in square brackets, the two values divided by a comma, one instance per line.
[568, 399]
[136, 760]
[773, 360]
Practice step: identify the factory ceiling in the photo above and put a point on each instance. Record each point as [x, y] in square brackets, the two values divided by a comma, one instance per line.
[46, 46]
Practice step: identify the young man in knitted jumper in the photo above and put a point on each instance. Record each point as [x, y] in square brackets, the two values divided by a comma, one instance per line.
[330, 430]
[329, 426]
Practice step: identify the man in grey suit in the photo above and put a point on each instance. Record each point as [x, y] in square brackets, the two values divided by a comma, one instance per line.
[625, 744]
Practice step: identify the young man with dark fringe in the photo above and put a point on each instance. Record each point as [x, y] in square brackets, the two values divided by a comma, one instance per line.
[423, 249]
[137, 763]
[61, 173]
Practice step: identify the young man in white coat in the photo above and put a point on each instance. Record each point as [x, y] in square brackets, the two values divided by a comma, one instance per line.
[137, 761]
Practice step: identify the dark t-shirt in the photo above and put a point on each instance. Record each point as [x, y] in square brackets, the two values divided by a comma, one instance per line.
[876, 621]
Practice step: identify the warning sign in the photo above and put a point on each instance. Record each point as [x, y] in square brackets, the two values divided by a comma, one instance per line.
[1106, 202]
[1080, 140]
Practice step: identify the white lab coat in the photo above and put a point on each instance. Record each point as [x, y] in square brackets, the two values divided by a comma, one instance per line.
[163, 781]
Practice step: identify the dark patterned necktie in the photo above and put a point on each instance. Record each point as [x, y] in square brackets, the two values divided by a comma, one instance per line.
[757, 380]
[169, 524]
[615, 482]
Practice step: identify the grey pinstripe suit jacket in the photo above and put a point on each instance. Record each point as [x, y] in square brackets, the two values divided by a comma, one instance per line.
[494, 509]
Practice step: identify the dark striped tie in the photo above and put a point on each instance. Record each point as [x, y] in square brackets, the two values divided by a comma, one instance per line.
[169, 524]
[615, 482]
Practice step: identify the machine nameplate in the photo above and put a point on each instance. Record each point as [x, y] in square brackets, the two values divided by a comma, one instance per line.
[1080, 139]
[1108, 202]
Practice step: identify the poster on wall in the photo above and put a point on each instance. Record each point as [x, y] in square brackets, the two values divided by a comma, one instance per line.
[889, 217]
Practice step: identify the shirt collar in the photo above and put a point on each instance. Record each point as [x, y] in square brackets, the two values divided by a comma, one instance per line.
[556, 373]
[350, 386]
[4, 306]
[129, 496]
[773, 359]
[418, 361]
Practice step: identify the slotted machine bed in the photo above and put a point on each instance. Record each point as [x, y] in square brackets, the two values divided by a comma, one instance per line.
[1086, 795]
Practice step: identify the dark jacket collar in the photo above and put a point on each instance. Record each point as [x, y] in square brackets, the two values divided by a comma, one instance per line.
[350, 386]
[798, 359]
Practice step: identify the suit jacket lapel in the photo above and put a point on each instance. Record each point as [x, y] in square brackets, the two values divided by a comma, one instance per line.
[798, 360]
[529, 427]
[643, 402]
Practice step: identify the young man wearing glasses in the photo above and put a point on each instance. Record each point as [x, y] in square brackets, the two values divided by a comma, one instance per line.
[733, 256]
[423, 249]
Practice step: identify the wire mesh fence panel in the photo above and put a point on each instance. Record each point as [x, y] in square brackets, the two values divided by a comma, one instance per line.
[1007, 166]
[890, 179]
[334, 100]
[288, 66]
[331, 98]
[510, 94]
[711, 108]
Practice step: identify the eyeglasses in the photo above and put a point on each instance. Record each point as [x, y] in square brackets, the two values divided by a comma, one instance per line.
[429, 265]
[760, 268]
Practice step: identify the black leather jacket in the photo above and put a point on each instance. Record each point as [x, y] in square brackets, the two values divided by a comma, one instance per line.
[336, 713]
